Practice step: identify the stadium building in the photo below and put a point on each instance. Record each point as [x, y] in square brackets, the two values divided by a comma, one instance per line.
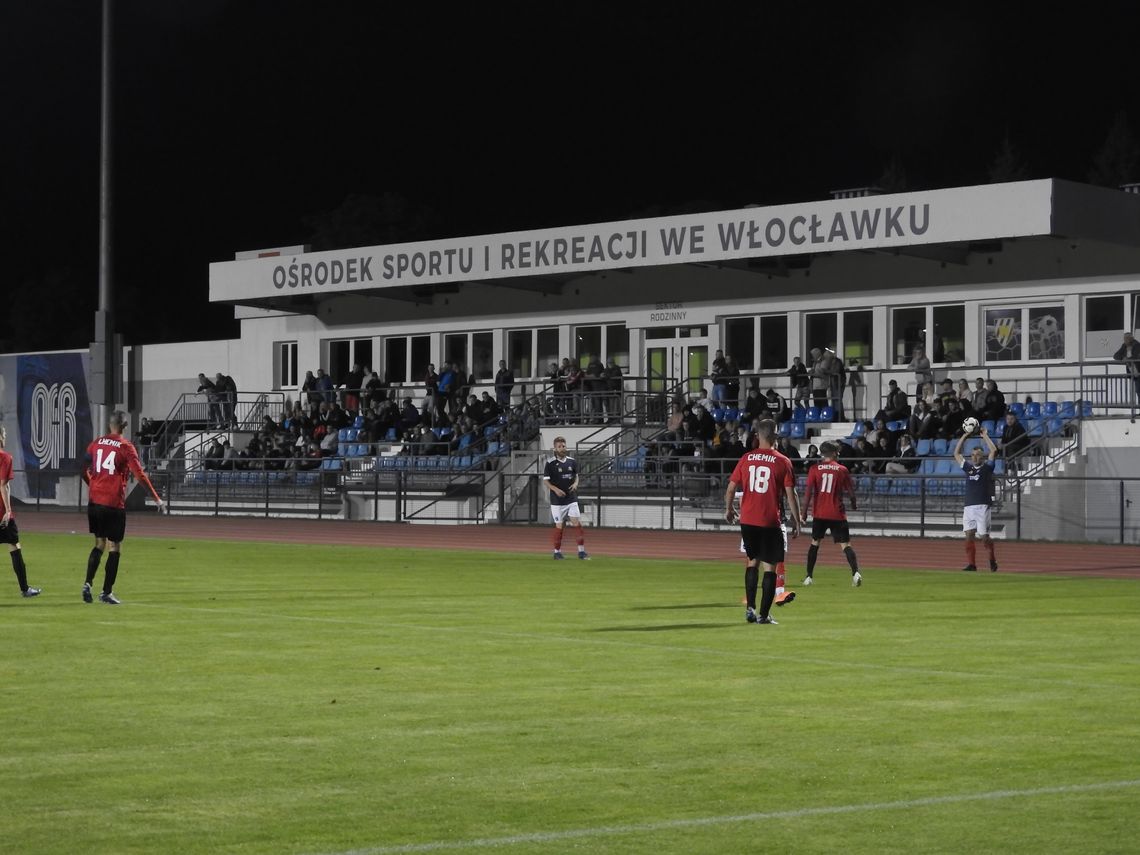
[1032, 284]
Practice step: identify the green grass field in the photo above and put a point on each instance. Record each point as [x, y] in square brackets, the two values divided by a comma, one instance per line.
[282, 699]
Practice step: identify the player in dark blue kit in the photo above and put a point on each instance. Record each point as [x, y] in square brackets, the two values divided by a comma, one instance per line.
[561, 479]
[979, 471]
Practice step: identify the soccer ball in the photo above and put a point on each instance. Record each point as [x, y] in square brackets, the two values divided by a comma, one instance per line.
[970, 426]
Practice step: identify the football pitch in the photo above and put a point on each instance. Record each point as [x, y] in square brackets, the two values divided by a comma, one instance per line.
[271, 698]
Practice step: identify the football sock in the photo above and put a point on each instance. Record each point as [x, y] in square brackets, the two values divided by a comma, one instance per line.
[813, 551]
[971, 552]
[557, 539]
[851, 560]
[111, 572]
[19, 568]
[768, 596]
[990, 549]
[581, 541]
[751, 583]
[93, 564]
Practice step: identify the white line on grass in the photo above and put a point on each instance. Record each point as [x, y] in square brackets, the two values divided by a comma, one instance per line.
[707, 821]
[640, 645]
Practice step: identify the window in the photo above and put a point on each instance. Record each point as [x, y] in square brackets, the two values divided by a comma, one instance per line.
[820, 331]
[406, 358]
[740, 342]
[617, 345]
[773, 342]
[346, 352]
[482, 355]
[1018, 333]
[949, 334]
[587, 345]
[519, 355]
[285, 365]
[857, 338]
[907, 327]
[547, 347]
[1104, 314]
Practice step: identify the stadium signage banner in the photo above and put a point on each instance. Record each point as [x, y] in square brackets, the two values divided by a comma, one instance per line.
[877, 222]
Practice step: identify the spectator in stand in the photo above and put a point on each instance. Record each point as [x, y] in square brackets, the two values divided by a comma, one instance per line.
[946, 393]
[230, 455]
[613, 385]
[705, 425]
[871, 430]
[731, 382]
[374, 391]
[491, 410]
[446, 388]
[213, 402]
[716, 378]
[920, 365]
[994, 408]
[838, 384]
[882, 452]
[227, 393]
[978, 396]
[353, 384]
[571, 374]
[1129, 354]
[864, 456]
[409, 417]
[594, 386]
[905, 460]
[800, 382]
[778, 407]
[928, 395]
[504, 385]
[786, 448]
[952, 419]
[1014, 441]
[474, 410]
[823, 371]
[463, 391]
[703, 399]
[965, 396]
[754, 407]
[310, 394]
[325, 386]
[858, 389]
[431, 385]
[896, 407]
[212, 457]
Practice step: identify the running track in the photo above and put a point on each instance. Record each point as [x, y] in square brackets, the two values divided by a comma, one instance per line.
[1080, 559]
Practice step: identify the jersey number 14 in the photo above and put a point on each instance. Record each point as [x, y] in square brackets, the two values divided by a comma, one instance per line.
[107, 463]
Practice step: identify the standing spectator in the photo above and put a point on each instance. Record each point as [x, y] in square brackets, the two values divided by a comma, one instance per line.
[594, 383]
[474, 410]
[1014, 440]
[431, 383]
[979, 471]
[920, 365]
[448, 382]
[614, 385]
[557, 389]
[978, 396]
[858, 389]
[716, 377]
[110, 460]
[353, 385]
[325, 386]
[1129, 354]
[463, 390]
[800, 382]
[571, 375]
[504, 385]
[227, 392]
[731, 383]
[375, 391]
[827, 483]
[213, 402]
[9, 531]
[837, 385]
[824, 379]
[763, 477]
[561, 479]
[310, 391]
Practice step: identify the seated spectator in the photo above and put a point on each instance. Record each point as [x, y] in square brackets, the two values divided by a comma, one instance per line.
[896, 406]
[881, 452]
[947, 392]
[862, 458]
[705, 426]
[374, 390]
[329, 444]
[870, 430]
[754, 407]
[925, 422]
[409, 416]
[952, 419]
[491, 409]
[212, 458]
[473, 410]
[786, 448]
[965, 396]
[994, 407]
[905, 459]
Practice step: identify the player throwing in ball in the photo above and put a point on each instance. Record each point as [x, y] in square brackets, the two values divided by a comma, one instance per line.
[827, 483]
[979, 471]
[762, 476]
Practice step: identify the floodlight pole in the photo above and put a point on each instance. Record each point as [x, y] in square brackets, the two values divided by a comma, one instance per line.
[103, 357]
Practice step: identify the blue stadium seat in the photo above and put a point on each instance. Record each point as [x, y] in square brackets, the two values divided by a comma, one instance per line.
[799, 430]
[391, 435]
[1049, 409]
[1033, 410]
[989, 425]
[1068, 410]
[897, 425]
[941, 447]
[492, 447]
[1055, 426]
[353, 433]
[1017, 408]
[490, 430]
[342, 435]
[465, 461]
[811, 414]
[421, 462]
[863, 484]
[785, 429]
[882, 486]
[999, 428]
[826, 414]
[857, 430]
[403, 462]
[945, 467]
[972, 443]
[342, 449]
[437, 432]
[929, 466]
[732, 414]
[717, 414]
[799, 414]
[358, 422]
[923, 447]
[999, 466]
[1033, 427]
[1086, 409]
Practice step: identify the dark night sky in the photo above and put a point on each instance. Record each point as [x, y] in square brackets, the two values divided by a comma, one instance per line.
[239, 121]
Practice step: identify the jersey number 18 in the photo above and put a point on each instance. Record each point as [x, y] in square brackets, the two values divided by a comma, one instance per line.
[758, 478]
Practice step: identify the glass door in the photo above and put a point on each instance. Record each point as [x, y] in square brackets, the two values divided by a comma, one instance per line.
[669, 364]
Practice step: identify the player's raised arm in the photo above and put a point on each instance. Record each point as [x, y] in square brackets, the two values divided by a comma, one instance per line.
[958, 450]
[990, 443]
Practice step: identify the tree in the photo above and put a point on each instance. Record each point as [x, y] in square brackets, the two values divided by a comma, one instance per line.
[1116, 162]
[1008, 164]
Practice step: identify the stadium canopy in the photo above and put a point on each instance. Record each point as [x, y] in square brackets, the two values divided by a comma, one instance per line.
[948, 227]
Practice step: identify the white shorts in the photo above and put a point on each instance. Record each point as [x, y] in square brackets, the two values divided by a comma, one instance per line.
[976, 518]
[559, 512]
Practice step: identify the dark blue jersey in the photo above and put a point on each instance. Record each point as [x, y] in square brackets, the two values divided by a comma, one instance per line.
[979, 482]
[561, 473]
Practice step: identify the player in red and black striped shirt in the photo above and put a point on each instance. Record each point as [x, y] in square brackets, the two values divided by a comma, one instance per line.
[111, 459]
[9, 531]
[827, 483]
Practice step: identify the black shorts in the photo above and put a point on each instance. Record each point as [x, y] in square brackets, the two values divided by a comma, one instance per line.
[10, 534]
[840, 532]
[109, 523]
[763, 544]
